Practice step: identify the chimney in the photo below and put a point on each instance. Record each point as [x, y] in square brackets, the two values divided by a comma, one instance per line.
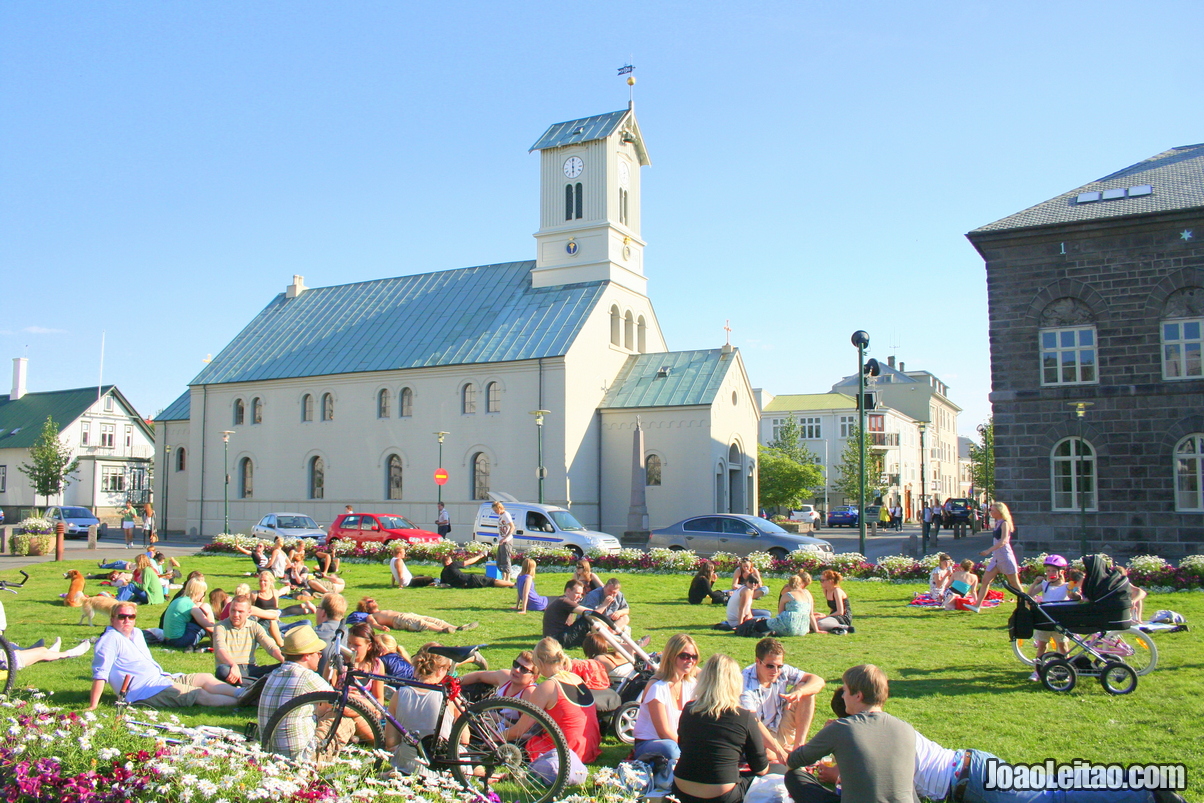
[891, 361]
[902, 370]
[297, 287]
[19, 366]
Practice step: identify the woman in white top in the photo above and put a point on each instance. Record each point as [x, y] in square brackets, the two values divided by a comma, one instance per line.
[941, 576]
[418, 712]
[402, 576]
[662, 701]
[505, 538]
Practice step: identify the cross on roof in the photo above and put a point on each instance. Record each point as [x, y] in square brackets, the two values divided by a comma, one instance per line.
[727, 327]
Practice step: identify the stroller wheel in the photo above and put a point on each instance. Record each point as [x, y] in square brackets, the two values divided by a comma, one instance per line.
[1058, 674]
[624, 721]
[1118, 678]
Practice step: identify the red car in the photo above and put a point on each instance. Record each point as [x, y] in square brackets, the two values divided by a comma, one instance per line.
[364, 527]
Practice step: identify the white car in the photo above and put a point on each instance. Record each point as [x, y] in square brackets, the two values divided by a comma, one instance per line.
[542, 525]
[805, 514]
[288, 525]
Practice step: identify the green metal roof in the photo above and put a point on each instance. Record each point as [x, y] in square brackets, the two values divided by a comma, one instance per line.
[574, 132]
[669, 379]
[178, 410]
[811, 401]
[483, 314]
[21, 420]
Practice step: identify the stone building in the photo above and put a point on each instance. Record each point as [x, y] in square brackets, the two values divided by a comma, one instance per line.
[1097, 297]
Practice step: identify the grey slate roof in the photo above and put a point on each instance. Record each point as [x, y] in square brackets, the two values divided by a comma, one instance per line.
[483, 314]
[1176, 176]
[178, 410]
[573, 132]
[693, 378]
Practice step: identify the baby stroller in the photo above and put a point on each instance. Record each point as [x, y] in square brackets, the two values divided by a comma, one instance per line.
[629, 688]
[1106, 607]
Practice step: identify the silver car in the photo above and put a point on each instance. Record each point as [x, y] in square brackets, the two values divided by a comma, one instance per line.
[76, 519]
[288, 525]
[734, 533]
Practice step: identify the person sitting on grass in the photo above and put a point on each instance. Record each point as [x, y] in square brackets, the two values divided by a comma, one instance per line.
[567, 700]
[188, 618]
[121, 652]
[402, 577]
[609, 600]
[234, 641]
[454, 575]
[840, 615]
[739, 605]
[369, 612]
[398, 663]
[702, 586]
[417, 710]
[598, 650]
[258, 554]
[528, 600]
[518, 681]
[558, 622]
[781, 698]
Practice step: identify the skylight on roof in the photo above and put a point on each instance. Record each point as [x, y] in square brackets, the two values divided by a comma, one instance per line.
[1113, 194]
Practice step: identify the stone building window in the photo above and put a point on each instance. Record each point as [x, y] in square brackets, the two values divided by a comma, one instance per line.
[1068, 356]
[406, 404]
[480, 476]
[1181, 345]
[240, 412]
[1073, 473]
[394, 477]
[616, 326]
[246, 478]
[493, 398]
[307, 407]
[327, 407]
[317, 478]
[468, 399]
[382, 403]
[181, 459]
[652, 469]
[1189, 474]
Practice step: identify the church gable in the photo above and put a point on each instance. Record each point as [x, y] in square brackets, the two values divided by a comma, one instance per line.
[670, 379]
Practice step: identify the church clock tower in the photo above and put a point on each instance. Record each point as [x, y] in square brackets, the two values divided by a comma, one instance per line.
[589, 202]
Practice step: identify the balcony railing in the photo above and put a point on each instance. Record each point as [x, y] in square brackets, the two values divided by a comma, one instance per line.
[884, 439]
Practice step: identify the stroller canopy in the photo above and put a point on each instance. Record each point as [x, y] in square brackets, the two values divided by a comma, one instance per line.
[1102, 582]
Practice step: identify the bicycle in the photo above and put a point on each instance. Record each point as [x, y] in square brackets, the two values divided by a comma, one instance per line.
[1132, 646]
[477, 752]
[11, 666]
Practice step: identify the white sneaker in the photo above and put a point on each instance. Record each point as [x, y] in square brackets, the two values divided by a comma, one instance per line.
[1034, 676]
[58, 642]
[79, 649]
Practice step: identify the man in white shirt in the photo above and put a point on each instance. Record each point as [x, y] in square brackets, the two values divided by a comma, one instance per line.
[443, 522]
[781, 697]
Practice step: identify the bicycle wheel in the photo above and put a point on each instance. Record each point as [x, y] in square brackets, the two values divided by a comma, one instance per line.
[8, 675]
[1135, 648]
[485, 761]
[1118, 678]
[321, 738]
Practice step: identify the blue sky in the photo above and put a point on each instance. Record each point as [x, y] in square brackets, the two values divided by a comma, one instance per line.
[165, 168]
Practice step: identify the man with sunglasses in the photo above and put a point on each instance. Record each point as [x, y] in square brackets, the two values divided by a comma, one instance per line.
[781, 697]
[121, 652]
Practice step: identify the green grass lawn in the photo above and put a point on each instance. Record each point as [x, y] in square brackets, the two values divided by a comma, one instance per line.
[952, 675]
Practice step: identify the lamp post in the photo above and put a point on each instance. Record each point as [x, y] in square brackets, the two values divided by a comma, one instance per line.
[440, 435]
[1080, 410]
[861, 339]
[166, 480]
[540, 472]
[226, 433]
[923, 427]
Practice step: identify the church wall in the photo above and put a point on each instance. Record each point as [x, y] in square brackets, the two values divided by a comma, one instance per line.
[171, 486]
[735, 418]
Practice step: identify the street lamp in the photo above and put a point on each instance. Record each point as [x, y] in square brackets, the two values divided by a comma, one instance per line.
[166, 480]
[440, 435]
[1080, 410]
[540, 472]
[226, 433]
[861, 339]
[923, 427]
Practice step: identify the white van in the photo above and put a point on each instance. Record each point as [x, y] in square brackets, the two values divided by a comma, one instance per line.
[541, 525]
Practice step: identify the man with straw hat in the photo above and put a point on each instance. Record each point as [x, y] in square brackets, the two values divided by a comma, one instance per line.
[296, 676]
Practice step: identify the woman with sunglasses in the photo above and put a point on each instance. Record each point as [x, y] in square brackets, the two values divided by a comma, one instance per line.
[662, 702]
[568, 702]
[518, 681]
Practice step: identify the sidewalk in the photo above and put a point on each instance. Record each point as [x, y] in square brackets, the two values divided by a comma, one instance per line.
[844, 539]
[112, 548]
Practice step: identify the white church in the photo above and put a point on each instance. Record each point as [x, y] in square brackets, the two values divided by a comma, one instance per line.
[356, 394]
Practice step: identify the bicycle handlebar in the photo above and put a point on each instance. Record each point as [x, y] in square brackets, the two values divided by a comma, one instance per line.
[9, 585]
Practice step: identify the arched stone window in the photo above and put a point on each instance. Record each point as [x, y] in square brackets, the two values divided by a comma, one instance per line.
[1072, 466]
[468, 399]
[240, 412]
[393, 478]
[1183, 334]
[1189, 473]
[181, 459]
[307, 407]
[406, 404]
[652, 470]
[616, 326]
[257, 410]
[493, 398]
[629, 331]
[480, 476]
[327, 407]
[246, 478]
[641, 335]
[1067, 339]
[382, 403]
[317, 478]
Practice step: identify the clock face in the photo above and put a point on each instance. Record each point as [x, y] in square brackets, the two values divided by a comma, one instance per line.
[624, 174]
[573, 166]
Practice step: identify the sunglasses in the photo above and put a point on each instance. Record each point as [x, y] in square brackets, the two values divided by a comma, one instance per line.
[687, 656]
[125, 616]
[773, 667]
[521, 667]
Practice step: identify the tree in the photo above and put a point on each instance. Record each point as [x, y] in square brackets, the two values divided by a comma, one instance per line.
[982, 460]
[52, 463]
[789, 475]
[847, 470]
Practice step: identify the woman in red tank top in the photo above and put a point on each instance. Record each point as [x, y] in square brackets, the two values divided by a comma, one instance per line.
[567, 700]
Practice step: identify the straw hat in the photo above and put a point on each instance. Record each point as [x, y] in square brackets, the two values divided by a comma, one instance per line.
[302, 641]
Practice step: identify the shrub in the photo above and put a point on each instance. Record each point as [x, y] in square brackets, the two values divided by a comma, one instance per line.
[32, 543]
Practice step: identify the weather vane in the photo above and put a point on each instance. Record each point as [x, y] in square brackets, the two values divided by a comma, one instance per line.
[627, 70]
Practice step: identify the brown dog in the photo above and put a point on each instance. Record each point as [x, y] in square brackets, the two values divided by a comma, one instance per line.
[101, 602]
[75, 594]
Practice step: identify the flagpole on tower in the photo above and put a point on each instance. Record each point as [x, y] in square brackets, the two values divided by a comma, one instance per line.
[627, 70]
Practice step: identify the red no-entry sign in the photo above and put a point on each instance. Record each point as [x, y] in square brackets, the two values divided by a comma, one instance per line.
[441, 476]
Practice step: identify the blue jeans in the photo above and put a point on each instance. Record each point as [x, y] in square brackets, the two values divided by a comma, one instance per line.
[192, 636]
[119, 565]
[291, 625]
[977, 793]
[667, 749]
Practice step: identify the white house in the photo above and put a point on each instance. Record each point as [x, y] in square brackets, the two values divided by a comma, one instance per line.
[114, 445]
[355, 394]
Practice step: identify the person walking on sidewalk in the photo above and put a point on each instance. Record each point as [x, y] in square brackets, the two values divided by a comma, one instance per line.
[128, 517]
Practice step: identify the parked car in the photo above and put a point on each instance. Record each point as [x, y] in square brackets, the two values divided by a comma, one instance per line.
[288, 525]
[958, 513]
[805, 514]
[843, 515]
[77, 520]
[366, 527]
[734, 533]
[542, 525]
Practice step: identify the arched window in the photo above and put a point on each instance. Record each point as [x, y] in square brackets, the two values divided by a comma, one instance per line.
[623, 206]
[641, 335]
[1182, 343]
[628, 332]
[652, 469]
[307, 407]
[568, 201]
[327, 407]
[181, 459]
[382, 403]
[317, 478]
[257, 410]
[480, 476]
[734, 457]
[1189, 473]
[240, 412]
[393, 478]
[493, 398]
[468, 399]
[578, 197]
[406, 405]
[246, 478]
[616, 327]
[1069, 353]
[1073, 471]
